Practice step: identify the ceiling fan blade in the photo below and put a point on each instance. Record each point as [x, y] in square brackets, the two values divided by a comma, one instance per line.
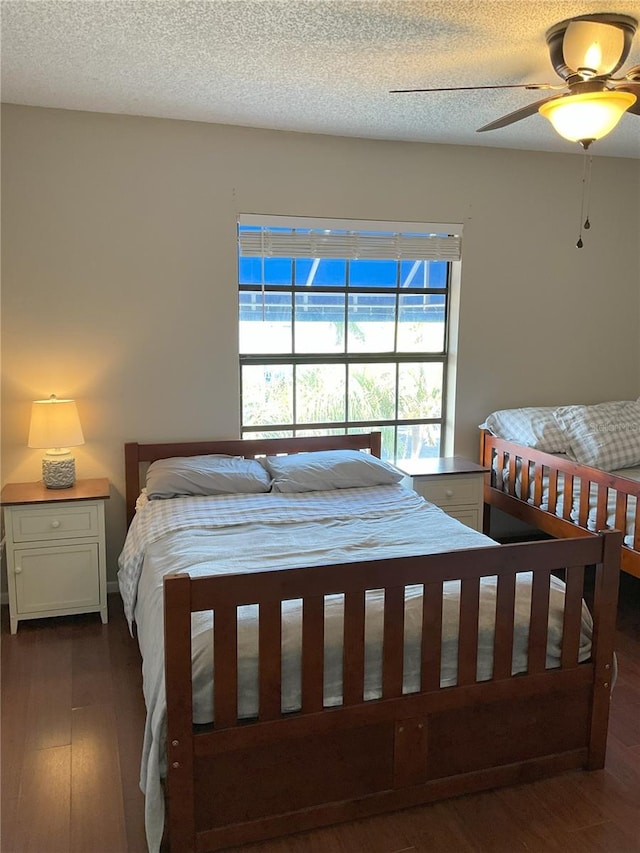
[634, 88]
[523, 112]
[474, 88]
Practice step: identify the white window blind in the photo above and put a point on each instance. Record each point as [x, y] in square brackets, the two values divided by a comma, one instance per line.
[278, 240]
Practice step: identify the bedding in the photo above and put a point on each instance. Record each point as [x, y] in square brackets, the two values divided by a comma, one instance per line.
[534, 426]
[211, 474]
[329, 469]
[248, 533]
[601, 435]
[605, 435]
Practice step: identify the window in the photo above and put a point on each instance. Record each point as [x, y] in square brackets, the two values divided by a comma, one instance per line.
[344, 327]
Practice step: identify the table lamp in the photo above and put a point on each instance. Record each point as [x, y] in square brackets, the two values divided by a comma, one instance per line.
[55, 425]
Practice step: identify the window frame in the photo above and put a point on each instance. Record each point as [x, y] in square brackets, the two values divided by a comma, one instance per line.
[294, 359]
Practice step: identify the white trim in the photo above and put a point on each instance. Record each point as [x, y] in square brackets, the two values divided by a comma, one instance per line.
[271, 221]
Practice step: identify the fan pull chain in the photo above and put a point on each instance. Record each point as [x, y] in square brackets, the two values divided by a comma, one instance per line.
[586, 190]
[262, 273]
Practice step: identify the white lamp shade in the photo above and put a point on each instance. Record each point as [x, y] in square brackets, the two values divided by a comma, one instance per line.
[588, 116]
[593, 47]
[55, 423]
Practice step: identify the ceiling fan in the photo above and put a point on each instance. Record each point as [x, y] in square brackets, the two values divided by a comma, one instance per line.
[585, 52]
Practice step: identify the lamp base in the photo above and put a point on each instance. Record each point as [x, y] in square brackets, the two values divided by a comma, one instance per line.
[59, 472]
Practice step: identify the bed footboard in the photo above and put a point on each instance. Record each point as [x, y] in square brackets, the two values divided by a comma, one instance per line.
[559, 496]
[238, 781]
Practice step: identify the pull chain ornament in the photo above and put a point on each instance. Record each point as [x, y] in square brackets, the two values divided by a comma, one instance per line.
[586, 188]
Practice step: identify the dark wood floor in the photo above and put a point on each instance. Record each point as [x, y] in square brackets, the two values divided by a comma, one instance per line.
[72, 722]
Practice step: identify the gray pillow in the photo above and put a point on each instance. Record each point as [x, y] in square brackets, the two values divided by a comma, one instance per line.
[329, 469]
[604, 435]
[533, 426]
[205, 475]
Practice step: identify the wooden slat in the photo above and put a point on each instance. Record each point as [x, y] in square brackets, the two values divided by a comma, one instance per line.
[602, 644]
[567, 504]
[601, 506]
[524, 478]
[621, 512]
[537, 484]
[312, 653]
[497, 474]
[468, 631]
[353, 649]
[538, 624]
[583, 508]
[503, 643]
[393, 643]
[512, 474]
[270, 660]
[571, 623]
[431, 636]
[177, 664]
[553, 490]
[225, 666]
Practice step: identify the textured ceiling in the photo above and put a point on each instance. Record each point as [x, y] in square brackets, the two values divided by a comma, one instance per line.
[320, 66]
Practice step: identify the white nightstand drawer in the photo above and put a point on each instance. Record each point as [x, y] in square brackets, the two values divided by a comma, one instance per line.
[60, 522]
[470, 517]
[48, 579]
[449, 491]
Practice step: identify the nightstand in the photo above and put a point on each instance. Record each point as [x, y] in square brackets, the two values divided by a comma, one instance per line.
[452, 483]
[56, 562]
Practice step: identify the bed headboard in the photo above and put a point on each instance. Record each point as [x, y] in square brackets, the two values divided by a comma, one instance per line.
[137, 457]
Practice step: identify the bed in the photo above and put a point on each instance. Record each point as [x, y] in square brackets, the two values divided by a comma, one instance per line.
[571, 482]
[395, 659]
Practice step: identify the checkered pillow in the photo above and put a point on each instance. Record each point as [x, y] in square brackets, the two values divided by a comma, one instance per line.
[534, 426]
[605, 436]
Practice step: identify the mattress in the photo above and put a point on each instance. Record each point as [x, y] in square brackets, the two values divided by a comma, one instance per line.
[248, 533]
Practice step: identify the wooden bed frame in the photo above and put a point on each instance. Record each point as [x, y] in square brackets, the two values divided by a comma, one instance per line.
[537, 467]
[242, 781]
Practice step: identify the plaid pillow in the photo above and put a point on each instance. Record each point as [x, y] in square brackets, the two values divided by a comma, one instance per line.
[605, 436]
[534, 427]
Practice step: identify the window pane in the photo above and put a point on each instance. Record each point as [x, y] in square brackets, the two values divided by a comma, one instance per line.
[320, 393]
[371, 322]
[276, 270]
[265, 322]
[319, 323]
[321, 271]
[423, 274]
[372, 392]
[388, 438]
[421, 323]
[373, 273]
[419, 390]
[418, 441]
[267, 394]
[274, 433]
[327, 272]
[323, 431]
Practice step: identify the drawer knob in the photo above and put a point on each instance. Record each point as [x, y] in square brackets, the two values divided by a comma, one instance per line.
[449, 493]
[18, 570]
[55, 524]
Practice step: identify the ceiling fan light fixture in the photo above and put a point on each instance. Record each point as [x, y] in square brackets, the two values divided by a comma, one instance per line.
[586, 117]
[592, 48]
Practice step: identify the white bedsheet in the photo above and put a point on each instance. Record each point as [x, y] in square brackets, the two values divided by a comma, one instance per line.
[205, 536]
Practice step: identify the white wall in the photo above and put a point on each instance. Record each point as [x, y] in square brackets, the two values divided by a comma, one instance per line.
[119, 270]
